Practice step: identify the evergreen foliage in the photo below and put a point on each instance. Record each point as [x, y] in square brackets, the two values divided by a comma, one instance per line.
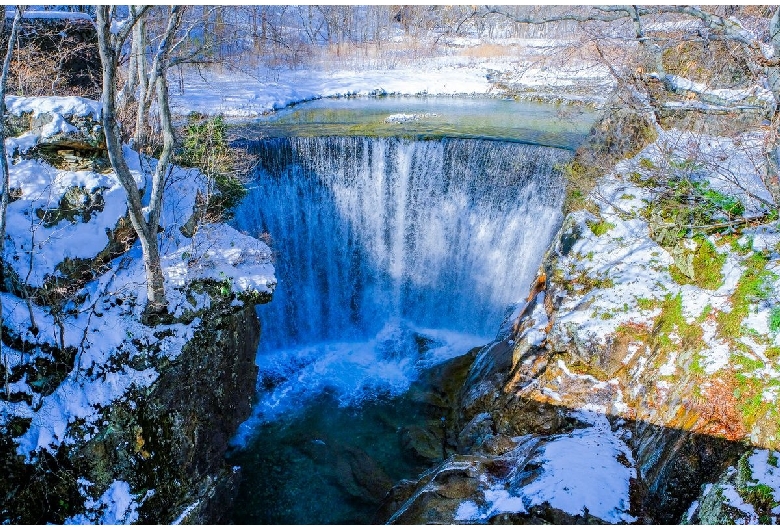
[207, 148]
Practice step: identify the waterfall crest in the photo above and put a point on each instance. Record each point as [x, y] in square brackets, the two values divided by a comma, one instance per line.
[445, 234]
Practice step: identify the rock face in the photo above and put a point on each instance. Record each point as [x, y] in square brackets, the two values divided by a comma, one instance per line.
[622, 390]
[174, 440]
[166, 441]
[104, 419]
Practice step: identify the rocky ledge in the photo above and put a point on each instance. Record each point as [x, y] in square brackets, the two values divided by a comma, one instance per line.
[639, 381]
[106, 419]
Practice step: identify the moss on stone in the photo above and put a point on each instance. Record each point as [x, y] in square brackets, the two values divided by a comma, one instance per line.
[702, 267]
[752, 287]
[599, 228]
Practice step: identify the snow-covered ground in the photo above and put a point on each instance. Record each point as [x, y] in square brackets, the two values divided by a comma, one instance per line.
[578, 473]
[100, 325]
[244, 94]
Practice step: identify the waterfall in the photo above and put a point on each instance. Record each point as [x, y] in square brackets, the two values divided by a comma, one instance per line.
[377, 232]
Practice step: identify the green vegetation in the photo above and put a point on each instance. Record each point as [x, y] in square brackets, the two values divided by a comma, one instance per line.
[751, 288]
[742, 250]
[669, 332]
[580, 180]
[671, 320]
[206, 147]
[684, 208]
[599, 228]
[706, 266]
[774, 319]
[746, 363]
[730, 205]
[696, 367]
[760, 496]
[646, 304]
[705, 312]
[646, 163]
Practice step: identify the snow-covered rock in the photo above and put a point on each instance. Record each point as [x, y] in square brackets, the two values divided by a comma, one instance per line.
[91, 388]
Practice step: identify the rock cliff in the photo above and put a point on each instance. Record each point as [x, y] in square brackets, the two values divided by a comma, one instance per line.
[638, 381]
[105, 419]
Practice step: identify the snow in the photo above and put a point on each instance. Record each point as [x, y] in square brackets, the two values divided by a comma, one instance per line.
[77, 398]
[732, 166]
[116, 506]
[239, 95]
[537, 334]
[467, 511]
[501, 501]
[251, 93]
[670, 367]
[185, 513]
[728, 96]
[63, 106]
[403, 118]
[35, 250]
[580, 471]
[733, 498]
[764, 470]
[100, 328]
[51, 15]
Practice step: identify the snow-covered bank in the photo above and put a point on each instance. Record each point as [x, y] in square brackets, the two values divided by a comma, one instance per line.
[80, 366]
[244, 94]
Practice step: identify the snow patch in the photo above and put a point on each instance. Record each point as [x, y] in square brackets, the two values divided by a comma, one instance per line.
[116, 506]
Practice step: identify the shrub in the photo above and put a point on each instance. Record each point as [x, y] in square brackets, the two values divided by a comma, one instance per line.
[774, 319]
[207, 148]
[600, 228]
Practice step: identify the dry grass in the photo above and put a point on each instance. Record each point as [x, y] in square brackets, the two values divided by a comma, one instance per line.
[718, 410]
[489, 51]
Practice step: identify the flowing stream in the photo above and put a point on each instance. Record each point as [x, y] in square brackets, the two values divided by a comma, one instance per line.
[392, 255]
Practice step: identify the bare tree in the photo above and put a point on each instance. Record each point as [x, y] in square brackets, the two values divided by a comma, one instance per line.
[762, 55]
[146, 225]
[6, 184]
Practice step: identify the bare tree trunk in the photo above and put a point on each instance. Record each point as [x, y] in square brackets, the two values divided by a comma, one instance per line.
[109, 47]
[6, 184]
[142, 71]
[772, 178]
[127, 94]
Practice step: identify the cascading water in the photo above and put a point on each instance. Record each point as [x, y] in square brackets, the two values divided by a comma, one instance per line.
[377, 237]
[392, 255]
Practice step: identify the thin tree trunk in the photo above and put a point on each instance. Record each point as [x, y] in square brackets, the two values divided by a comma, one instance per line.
[6, 184]
[142, 71]
[147, 233]
[161, 82]
[772, 177]
[127, 95]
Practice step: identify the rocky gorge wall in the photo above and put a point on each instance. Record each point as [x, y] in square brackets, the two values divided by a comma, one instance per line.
[624, 390]
[106, 419]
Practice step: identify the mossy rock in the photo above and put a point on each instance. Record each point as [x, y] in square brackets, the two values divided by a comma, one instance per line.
[697, 261]
[77, 201]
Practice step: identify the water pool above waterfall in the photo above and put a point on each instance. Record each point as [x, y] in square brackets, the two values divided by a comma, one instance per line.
[392, 256]
[430, 118]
